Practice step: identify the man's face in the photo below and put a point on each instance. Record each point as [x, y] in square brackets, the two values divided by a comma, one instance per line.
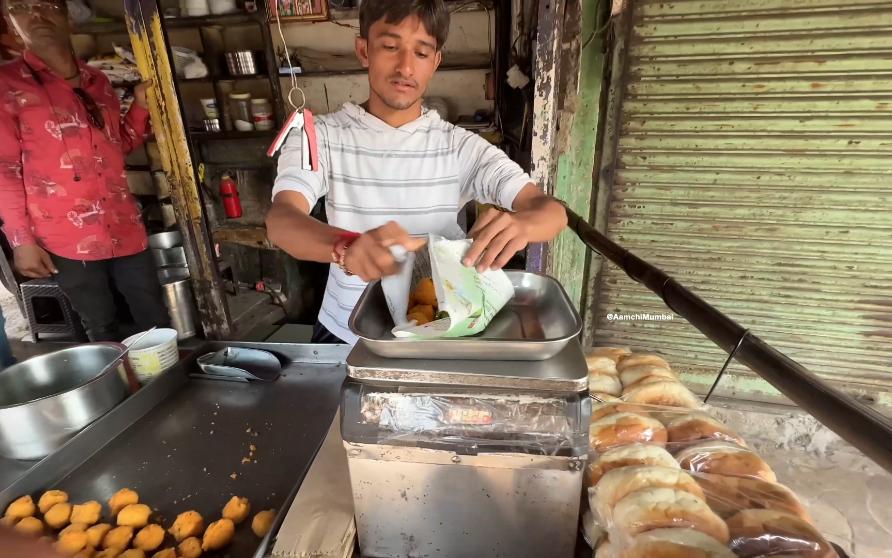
[39, 21]
[401, 59]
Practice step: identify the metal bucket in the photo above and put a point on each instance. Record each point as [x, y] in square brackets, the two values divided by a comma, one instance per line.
[181, 306]
[167, 257]
[165, 240]
[47, 399]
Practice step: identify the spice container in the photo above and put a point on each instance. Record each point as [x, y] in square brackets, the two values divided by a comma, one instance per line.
[241, 111]
[262, 112]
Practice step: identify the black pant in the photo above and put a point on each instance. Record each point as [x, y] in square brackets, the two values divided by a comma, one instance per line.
[322, 336]
[88, 285]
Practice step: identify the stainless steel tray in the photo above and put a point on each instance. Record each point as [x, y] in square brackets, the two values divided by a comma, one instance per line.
[566, 372]
[535, 325]
[179, 441]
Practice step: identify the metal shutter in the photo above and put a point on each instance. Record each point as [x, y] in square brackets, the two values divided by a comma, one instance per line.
[754, 164]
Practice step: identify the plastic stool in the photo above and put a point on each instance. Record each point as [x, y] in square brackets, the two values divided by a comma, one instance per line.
[68, 322]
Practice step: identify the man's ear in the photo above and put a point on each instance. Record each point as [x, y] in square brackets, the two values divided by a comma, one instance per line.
[439, 58]
[362, 51]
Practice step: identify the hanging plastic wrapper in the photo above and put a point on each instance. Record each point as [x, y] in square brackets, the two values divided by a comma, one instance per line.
[467, 299]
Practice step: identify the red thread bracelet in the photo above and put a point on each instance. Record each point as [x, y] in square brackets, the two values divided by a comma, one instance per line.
[339, 249]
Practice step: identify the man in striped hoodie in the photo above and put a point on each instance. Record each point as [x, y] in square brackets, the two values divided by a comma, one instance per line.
[390, 169]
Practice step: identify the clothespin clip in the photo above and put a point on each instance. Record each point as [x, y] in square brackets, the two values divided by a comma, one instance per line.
[300, 121]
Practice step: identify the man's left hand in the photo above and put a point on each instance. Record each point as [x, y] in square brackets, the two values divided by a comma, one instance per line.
[139, 94]
[497, 235]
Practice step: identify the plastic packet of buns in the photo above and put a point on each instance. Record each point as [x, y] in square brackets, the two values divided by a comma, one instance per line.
[686, 476]
[514, 422]
[617, 374]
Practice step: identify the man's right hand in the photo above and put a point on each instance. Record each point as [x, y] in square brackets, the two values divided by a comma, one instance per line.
[369, 257]
[33, 261]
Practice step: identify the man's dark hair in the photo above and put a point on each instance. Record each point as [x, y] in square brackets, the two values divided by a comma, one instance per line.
[432, 13]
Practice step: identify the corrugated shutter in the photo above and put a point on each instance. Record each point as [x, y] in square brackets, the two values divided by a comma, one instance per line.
[754, 163]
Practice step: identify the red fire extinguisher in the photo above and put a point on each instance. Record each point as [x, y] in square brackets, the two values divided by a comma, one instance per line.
[229, 192]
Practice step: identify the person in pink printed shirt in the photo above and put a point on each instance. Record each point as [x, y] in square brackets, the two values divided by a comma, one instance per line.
[64, 200]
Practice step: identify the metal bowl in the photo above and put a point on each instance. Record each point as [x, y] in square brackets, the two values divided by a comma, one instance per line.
[165, 240]
[47, 399]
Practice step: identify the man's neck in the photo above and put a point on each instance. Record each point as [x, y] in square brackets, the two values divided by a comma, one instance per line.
[393, 117]
[58, 58]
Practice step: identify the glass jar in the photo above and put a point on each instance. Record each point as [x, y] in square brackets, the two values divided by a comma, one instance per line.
[241, 111]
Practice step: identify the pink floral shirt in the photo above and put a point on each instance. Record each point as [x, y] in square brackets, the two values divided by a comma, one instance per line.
[62, 181]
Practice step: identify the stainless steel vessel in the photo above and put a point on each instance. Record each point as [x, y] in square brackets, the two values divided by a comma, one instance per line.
[535, 325]
[241, 62]
[47, 399]
[180, 305]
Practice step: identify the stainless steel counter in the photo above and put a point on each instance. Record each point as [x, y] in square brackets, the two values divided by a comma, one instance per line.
[185, 443]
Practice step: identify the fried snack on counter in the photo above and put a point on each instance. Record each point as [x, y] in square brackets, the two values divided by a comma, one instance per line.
[602, 382]
[756, 533]
[119, 537]
[71, 542]
[263, 522]
[635, 374]
[621, 429]
[656, 508]
[133, 553]
[30, 526]
[134, 515]
[166, 553]
[425, 293]
[637, 359]
[74, 528]
[724, 458]
[421, 313]
[86, 552]
[668, 393]
[237, 509]
[218, 534]
[96, 534]
[189, 548]
[121, 499]
[149, 537]
[58, 515]
[728, 495]
[676, 543]
[109, 553]
[21, 507]
[626, 456]
[187, 524]
[87, 513]
[619, 483]
[50, 498]
[697, 426]
[8, 521]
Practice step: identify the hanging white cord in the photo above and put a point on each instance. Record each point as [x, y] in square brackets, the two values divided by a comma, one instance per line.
[294, 86]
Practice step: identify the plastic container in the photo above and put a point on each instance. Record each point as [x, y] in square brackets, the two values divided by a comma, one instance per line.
[153, 354]
[262, 113]
[209, 105]
[222, 6]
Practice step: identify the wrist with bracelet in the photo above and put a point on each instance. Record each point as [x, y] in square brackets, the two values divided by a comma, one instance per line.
[339, 249]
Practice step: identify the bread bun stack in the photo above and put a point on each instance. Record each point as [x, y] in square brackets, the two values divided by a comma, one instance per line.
[668, 480]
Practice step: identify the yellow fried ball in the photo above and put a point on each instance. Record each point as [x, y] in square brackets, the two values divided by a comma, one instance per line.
[87, 552]
[96, 533]
[50, 498]
[166, 553]
[72, 542]
[190, 548]
[133, 553]
[187, 524]
[237, 509]
[134, 515]
[22, 507]
[263, 522]
[109, 553]
[119, 537]
[87, 513]
[422, 314]
[121, 499]
[149, 537]
[218, 534]
[425, 293]
[30, 526]
[73, 528]
[58, 515]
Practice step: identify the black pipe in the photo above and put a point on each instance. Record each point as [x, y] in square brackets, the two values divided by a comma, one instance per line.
[861, 426]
